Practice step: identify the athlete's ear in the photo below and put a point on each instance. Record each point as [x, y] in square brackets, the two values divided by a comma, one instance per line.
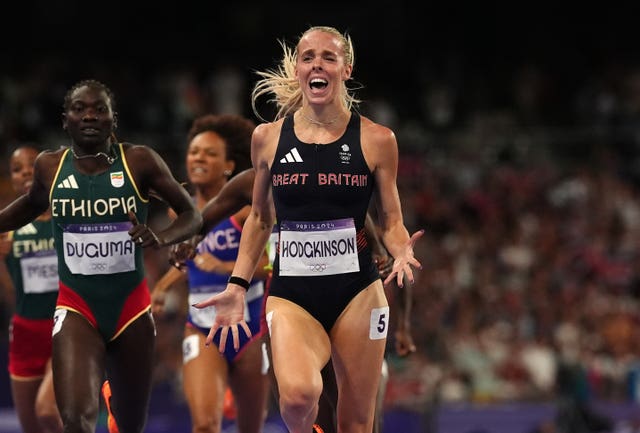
[115, 120]
[64, 121]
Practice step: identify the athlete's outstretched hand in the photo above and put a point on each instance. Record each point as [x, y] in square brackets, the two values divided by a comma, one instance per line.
[402, 264]
[229, 315]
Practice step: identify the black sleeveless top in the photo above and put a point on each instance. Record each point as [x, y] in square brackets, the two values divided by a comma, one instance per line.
[316, 183]
[321, 181]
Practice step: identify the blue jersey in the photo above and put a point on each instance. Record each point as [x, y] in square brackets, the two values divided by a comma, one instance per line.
[222, 242]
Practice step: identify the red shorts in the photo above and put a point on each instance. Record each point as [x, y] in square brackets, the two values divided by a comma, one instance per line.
[29, 347]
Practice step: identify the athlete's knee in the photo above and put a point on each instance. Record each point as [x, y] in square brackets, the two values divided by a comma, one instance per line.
[297, 400]
[76, 422]
[50, 422]
[131, 424]
[207, 423]
[48, 417]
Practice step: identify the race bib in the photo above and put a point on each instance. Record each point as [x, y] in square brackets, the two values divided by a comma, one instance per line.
[40, 272]
[310, 248]
[101, 248]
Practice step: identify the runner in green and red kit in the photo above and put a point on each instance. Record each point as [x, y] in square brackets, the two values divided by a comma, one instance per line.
[31, 260]
[99, 190]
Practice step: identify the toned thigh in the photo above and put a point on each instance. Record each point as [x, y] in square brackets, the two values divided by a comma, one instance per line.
[78, 366]
[300, 346]
[23, 393]
[358, 342]
[130, 358]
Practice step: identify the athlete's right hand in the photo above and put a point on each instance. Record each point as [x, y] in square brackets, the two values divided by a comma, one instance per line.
[183, 251]
[229, 315]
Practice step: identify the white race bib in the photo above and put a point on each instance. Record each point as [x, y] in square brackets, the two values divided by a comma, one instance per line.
[99, 248]
[311, 248]
[40, 272]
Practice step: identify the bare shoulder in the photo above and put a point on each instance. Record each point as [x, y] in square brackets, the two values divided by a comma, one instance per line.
[265, 140]
[375, 131]
[377, 140]
[132, 150]
[266, 132]
[46, 163]
[140, 156]
[49, 156]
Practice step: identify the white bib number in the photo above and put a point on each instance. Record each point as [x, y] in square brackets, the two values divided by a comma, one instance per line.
[102, 248]
[40, 273]
[310, 248]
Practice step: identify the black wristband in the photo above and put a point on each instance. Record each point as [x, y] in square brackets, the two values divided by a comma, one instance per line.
[239, 281]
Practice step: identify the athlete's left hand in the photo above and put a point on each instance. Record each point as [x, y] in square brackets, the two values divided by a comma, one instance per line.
[402, 264]
[141, 234]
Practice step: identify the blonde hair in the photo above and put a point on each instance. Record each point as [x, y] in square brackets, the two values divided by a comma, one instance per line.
[281, 82]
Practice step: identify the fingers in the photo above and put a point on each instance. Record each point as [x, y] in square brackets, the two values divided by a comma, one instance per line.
[388, 279]
[202, 304]
[135, 232]
[223, 339]
[224, 335]
[133, 218]
[246, 328]
[236, 338]
[157, 303]
[212, 332]
[414, 237]
[178, 265]
[182, 252]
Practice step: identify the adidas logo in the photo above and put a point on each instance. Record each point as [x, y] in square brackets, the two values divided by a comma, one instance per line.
[291, 156]
[69, 182]
[29, 229]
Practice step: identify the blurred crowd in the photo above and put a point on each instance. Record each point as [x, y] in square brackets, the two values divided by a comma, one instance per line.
[527, 185]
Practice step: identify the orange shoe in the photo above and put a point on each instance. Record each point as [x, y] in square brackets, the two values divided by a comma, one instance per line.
[111, 421]
[317, 429]
[229, 405]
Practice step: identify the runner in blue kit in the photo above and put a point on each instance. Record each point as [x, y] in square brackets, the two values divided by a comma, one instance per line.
[317, 167]
[218, 148]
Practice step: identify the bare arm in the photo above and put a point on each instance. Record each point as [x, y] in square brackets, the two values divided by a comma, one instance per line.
[152, 173]
[259, 223]
[31, 205]
[162, 286]
[8, 293]
[382, 153]
[255, 234]
[233, 196]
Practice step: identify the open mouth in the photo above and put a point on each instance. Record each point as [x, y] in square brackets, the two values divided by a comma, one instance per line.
[318, 83]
